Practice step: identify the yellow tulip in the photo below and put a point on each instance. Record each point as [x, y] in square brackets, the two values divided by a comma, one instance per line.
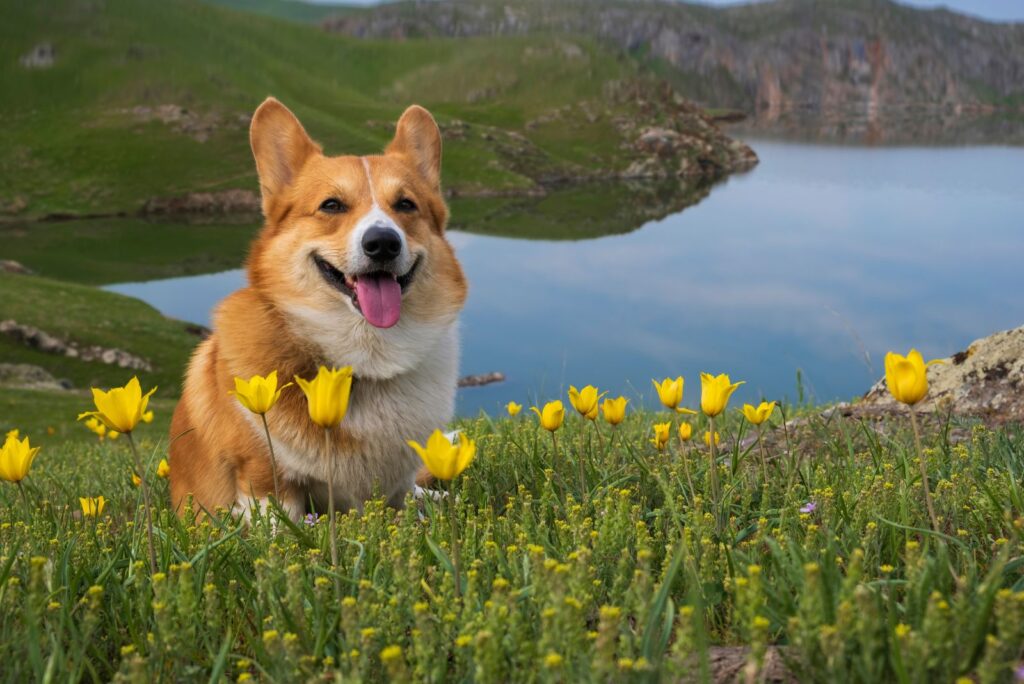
[92, 506]
[614, 410]
[760, 414]
[552, 416]
[12, 433]
[670, 391]
[585, 400]
[327, 395]
[136, 480]
[513, 408]
[443, 459]
[121, 408]
[907, 377]
[113, 434]
[164, 469]
[707, 438]
[258, 393]
[685, 432]
[661, 434]
[715, 391]
[147, 417]
[98, 428]
[16, 457]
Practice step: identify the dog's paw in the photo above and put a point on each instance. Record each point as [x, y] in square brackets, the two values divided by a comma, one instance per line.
[419, 493]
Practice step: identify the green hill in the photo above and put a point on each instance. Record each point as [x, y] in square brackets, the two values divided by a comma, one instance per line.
[107, 105]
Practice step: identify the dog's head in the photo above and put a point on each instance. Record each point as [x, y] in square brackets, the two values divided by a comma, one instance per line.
[353, 250]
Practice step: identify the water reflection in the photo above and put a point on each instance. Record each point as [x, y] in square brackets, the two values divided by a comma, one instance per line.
[820, 259]
[889, 126]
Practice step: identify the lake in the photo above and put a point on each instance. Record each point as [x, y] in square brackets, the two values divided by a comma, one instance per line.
[818, 261]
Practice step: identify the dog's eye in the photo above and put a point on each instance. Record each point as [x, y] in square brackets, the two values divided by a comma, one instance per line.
[333, 206]
[405, 206]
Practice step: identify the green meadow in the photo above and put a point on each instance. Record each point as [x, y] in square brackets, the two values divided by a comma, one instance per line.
[88, 135]
[587, 556]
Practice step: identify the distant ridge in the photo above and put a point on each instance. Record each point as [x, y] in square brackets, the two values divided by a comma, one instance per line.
[818, 54]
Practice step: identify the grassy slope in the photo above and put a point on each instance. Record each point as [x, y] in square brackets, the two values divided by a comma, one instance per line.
[858, 590]
[71, 143]
[293, 10]
[90, 316]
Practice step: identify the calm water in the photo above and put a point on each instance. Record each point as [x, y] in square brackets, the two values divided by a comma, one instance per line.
[820, 259]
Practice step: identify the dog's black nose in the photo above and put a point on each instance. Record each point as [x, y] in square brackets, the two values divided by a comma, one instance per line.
[382, 244]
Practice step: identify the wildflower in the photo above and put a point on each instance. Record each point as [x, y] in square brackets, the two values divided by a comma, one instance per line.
[164, 469]
[327, 395]
[685, 432]
[258, 393]
[760, 414]
[715, 392]
[113, 434]
[16, 457]
[585, 401]
[614, 410]
[121, 408]
[443, 459]
[513, 408]
[552, 416]
[670, 392]
[707, 438]
[390, 654]
[96, 427]
[661, 435]
[92, 506]
[906, 376]
[809, 507]
[553, 660]
[310, 519]
[136, 480]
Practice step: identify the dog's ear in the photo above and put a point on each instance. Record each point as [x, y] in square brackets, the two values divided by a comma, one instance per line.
[280, 145]
[418, 138]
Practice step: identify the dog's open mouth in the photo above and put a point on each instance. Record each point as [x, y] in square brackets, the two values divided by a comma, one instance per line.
[377, 295]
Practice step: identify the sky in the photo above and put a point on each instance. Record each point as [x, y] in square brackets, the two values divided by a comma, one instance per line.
[995, 10]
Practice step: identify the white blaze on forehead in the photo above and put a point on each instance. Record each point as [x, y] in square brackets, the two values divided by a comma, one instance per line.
[369, 181]
[375, 217]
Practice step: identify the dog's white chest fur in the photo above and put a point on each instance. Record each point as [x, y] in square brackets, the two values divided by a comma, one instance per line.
[383, 414]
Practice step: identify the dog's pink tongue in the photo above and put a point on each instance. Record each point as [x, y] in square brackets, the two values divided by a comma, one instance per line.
[380, 298]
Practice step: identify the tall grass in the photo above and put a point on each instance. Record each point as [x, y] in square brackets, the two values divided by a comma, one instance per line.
[636, 576]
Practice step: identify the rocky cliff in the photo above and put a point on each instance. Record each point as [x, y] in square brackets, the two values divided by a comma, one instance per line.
[818, 54]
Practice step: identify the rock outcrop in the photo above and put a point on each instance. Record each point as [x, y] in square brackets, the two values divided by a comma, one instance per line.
[985, 380]
[27, 376]
[37, 339]
[818, 54]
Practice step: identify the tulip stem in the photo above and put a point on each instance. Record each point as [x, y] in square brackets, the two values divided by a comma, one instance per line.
[764, 459]
[583, 477]
[24, 497]
[273, 460]
[713, 443]
[456, 550]
[331, 529]
[924, 470]
[145, 501]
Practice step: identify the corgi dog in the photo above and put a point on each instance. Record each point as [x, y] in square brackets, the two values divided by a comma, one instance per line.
[351, 268]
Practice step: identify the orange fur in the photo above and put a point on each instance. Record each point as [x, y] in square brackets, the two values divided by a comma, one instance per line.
[290, 320]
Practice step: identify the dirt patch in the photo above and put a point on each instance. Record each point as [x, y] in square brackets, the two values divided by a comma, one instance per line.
[209, 203]
[199, 126]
